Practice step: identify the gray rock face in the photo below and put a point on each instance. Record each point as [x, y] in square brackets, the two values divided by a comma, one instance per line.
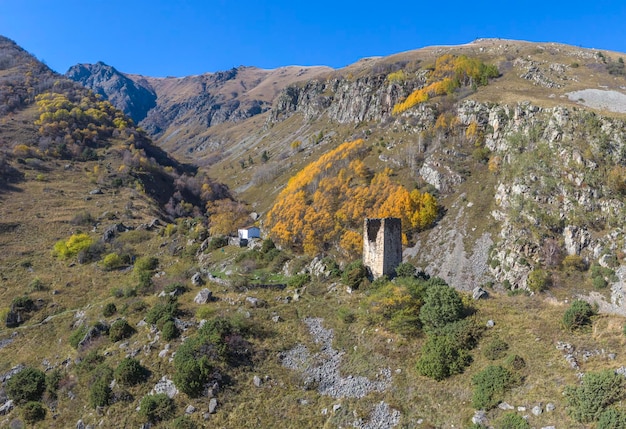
[132, 98]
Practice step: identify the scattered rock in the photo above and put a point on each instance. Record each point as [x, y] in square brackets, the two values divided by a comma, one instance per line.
[190, 409]
[480, 418]
[212, 406]
[80, 424]
[96, 192]
[490, 323]
[505, 406]
[276, 319]
[256, 380]
[203, 296]
[537, 410]
[165, 386]
[197, 280]
[521, 409]
[479, 293]
[550, 407]
[336, 407]
[254, 302]
[6, 407]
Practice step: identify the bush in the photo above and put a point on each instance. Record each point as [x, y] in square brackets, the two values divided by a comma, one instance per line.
[598, 390]
[573, 263]
[599, 282]
[495, 349]
[112, 261]
[109, 310]
[157, 407]
[72, 246]
[538, 280]
[53, 379]
[27, 385]
[298, 280]
[577, 315]
[355, 275]
[147, 263]
[489, 386]
[217, 243]
[164, 310]
[612, 419]
[100, 393]
[442, 305]
[442, 357]
[169, 330]
[33, 412]
[405, 269]
[120, 329]
[183, 422]
[515, 362]
[129, 372]
[513, 421]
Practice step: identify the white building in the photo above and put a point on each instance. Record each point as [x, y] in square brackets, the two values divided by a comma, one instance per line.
[249, 232]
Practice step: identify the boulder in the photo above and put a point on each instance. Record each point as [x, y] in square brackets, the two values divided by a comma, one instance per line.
[212, 406]
[479, 293]
[203, 296]
[197, 280]
[165, 386]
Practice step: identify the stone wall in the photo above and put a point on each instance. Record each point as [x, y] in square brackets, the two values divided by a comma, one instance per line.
[382, 245]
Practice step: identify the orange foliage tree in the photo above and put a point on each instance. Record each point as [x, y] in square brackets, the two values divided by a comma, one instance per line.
[324, 204]
[450, 73]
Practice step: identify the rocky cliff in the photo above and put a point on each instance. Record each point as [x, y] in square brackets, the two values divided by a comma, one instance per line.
[135, 98]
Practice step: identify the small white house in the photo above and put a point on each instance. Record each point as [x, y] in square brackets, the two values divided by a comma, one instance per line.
[248, 233]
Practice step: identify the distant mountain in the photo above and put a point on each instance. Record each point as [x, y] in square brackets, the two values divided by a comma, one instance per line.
[135, 99]
[166, 106]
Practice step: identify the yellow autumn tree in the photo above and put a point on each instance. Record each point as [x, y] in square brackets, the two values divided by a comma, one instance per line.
[324, 204]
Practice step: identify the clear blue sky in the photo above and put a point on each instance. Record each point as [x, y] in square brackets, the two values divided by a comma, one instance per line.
[177, 38]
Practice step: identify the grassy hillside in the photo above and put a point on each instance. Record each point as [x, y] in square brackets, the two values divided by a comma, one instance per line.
[116, 275]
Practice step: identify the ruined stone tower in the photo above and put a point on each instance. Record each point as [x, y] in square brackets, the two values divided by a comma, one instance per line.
[382, 245]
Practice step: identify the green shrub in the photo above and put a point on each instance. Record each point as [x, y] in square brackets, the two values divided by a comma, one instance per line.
[165, 309]
[513, 421]
[169, 330]
[267, 245]
[442, 305]
[191, 373]
[217, 243]
[597, 391]
[495, 349]
[146, 263]
[157, 407]
[442, 357]
[612, 419]
[176, 288]
[183, 422]
[405, 269]
[538, 280]
[112, 261]
[515, 362]
[355, 275]
[27, 385]
[109, 309]
[577, 315]
[37, 285]
[573, 263]
[599, 282]
[346, 314]
[33, 412]
[489, 386]
[100, 390]
[129, 372]
[53, 379]
[298, 280]
[120, 329]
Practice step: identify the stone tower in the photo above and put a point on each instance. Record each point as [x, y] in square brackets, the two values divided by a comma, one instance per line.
[382, 245]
